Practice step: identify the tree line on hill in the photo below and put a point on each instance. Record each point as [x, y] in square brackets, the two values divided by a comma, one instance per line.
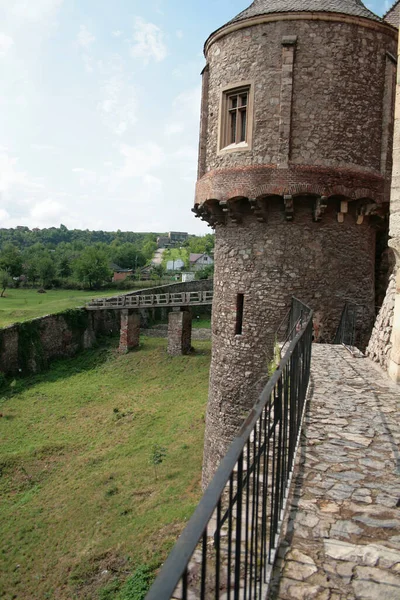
[59, 257]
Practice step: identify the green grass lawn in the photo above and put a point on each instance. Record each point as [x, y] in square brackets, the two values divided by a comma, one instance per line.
[22, 304]
[81, 506]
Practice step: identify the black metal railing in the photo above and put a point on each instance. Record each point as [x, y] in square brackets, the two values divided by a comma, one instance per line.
[228, 547]
[292, 323]
[346, 332]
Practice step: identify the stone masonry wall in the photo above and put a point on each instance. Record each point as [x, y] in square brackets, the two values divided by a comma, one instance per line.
[319, 85]
[339, 72]
[30, 346]
[179, 333]
[130, 331]
[322, 264]
[379, 346]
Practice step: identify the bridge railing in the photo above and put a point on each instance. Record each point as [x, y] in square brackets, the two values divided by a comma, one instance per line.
[152, 300]
[228, 547]
[293, 321]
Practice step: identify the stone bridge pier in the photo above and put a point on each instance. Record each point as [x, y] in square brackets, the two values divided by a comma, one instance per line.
[179, 331]
[130, 331]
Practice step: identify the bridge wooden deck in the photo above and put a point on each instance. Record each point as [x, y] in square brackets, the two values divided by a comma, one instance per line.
[152, 301]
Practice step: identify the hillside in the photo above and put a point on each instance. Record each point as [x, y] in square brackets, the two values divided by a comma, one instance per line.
[82, 505]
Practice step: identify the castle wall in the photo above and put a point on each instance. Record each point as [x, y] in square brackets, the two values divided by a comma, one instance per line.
[380, 345]
[292, 208]
[323, 264]
[30, 346]
[338, 87]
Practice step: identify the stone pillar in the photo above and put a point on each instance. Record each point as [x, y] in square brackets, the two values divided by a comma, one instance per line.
[286, 100]
[394, 232]
[179, 333]
[394, 360]
[130, 331]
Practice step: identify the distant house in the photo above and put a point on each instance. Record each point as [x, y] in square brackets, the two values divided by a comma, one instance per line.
[199, 261]
[175, 265]
[146, 271]
[172, 239]
[176, 238]
[162, 241]
[120, 274]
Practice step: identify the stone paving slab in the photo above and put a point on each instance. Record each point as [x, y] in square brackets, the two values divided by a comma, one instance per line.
[343, 535]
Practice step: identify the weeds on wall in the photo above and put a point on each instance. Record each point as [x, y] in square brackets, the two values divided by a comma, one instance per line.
[274, 363]
[76, 319]
[31, 357]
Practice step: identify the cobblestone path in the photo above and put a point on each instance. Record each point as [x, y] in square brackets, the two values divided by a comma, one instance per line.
[343, 536]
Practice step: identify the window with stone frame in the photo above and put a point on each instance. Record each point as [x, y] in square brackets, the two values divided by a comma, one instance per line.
[235, 118]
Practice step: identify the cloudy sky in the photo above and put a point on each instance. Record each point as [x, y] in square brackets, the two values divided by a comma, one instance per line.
[99, 110]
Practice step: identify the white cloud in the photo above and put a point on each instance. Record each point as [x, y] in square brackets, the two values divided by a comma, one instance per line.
[6, 43]
[189, 102]
[179, 34]
[16, 187]
[174, 128]
[118, 106]
[85, 38]
[148, 42]
[44, 147]
[117, 33]
[140, 160]
[86, 177]
[10, 175]
[29, 10]
[4, 216]
[46, 212]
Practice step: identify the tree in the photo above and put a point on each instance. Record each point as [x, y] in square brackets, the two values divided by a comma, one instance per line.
[11, 260]
[206, 272]
[127, 256]
[92, 266]
[64, 267]
[46, 270]
[158, 270]
[30, 269]
[157, 455]
[200, 244]
[5, 280]
[148, 249]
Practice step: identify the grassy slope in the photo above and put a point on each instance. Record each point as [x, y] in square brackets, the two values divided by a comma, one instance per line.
[22, 304]
[80, 504]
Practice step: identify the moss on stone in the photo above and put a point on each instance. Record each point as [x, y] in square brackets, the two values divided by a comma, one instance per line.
[76, 319]
[31, 357]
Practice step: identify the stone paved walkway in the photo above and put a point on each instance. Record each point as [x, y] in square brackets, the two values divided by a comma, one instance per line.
[343, 537]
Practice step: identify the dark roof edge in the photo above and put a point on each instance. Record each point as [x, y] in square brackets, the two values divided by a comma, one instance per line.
[295, 15]
[390, 9]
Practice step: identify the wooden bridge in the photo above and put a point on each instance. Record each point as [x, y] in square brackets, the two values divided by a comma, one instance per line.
[152, 301]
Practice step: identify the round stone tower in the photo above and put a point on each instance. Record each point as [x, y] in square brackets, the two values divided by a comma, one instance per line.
[294, 170]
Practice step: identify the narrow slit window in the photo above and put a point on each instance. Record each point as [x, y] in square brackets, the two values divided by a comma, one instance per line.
[239, 314]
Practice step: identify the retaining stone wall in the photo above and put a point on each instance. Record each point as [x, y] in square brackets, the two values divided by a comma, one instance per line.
[380, 345]
[30, 346]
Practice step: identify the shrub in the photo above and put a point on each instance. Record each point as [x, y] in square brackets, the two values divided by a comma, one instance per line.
[137, 586]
